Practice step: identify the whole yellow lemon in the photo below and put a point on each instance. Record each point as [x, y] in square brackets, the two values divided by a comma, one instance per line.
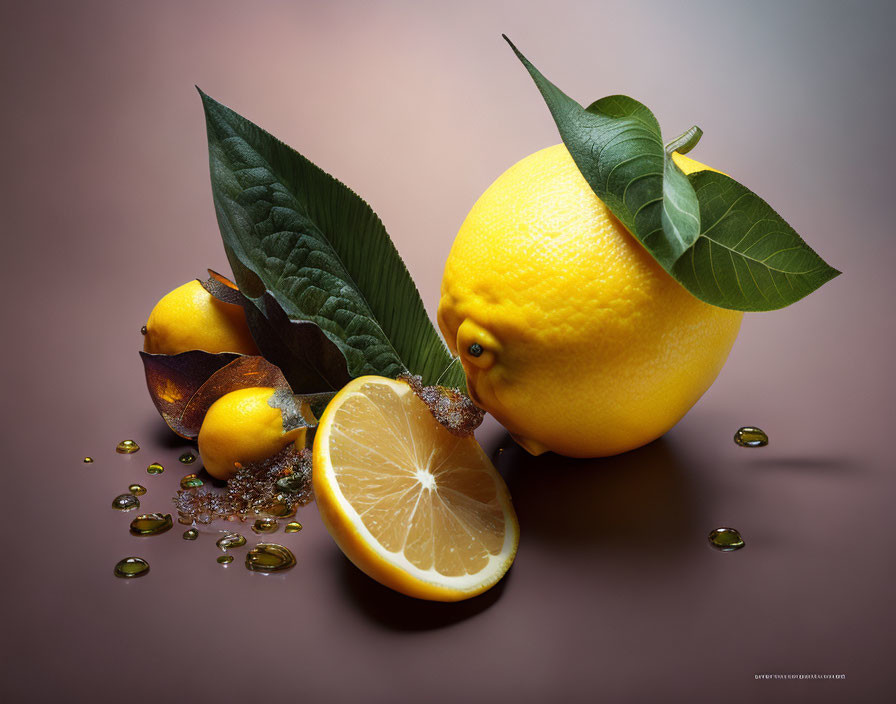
[244, 426]
[570, 333]
[190, 318]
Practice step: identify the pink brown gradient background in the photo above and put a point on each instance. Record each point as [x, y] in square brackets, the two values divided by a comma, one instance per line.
[615, 595]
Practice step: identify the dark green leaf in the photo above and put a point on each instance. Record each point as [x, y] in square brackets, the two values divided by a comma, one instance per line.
[722, 242]
[303, 244]
[310, 361]
[747, 257]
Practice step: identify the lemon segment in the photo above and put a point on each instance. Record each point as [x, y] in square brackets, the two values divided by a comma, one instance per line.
[418, 509]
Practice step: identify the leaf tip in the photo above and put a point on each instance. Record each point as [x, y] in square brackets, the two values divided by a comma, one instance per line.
[516, 51]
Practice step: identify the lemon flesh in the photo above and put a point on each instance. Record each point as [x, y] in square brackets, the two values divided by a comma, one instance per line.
[242, 426]
[587, 347]
[190, 318]
[418, 509]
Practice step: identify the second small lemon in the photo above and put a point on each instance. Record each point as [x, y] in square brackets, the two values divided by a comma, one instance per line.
[244, 426]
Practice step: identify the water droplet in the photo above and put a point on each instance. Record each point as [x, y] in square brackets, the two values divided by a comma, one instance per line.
[225, 559]
[269, 557]
[88, 460]
[726, 539]
[265, 525]
[125, 502]
[191, 481]
[191, 534]
[155, 468]
[127, 447]
[292, 527]
[281, 508]
[151, 524]
[137, 489]
[131, 567]
[187, 458]
[231, 540]
[143, 330]
[749, 436]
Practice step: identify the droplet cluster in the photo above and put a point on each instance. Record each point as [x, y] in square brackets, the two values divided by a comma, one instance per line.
[252, 491]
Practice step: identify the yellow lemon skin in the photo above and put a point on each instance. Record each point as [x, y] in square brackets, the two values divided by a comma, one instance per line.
[242, 426]
[587, 347]
[190, 318]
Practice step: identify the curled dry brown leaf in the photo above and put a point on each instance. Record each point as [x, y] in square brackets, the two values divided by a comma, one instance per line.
[173, 379]
[184, 386]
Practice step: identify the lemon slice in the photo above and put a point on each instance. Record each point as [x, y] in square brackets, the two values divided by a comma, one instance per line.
[418, 509]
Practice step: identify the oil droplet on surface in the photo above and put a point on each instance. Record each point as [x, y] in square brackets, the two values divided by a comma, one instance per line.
[265, 525]
[125, 502]
[231, 540]
[131, 567]
[191, 534]
[269, 557]
[88, 460]
[225, 559]
[143, 330]
[137, 489]
[726, 539]
[151, 524]
[281, 508]
[155, 468]
[292, 527]
[749, 436]
[191, 481]
[127, 447]
[187, 458]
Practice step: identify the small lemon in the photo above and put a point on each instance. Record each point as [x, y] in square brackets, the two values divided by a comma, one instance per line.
[570, 333]
[244, 426]
[190, 318]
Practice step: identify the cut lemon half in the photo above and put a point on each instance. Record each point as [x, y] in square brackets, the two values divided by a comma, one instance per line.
[417, 508]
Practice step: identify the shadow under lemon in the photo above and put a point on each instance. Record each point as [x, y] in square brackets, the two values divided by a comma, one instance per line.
[641, 502]
[398, 612]
[635, 508]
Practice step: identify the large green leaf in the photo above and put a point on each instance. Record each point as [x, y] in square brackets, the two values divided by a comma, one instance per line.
[722, 242]
[747, 257]
[302, 242]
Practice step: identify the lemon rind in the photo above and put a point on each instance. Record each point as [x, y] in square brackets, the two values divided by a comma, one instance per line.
[367, 553]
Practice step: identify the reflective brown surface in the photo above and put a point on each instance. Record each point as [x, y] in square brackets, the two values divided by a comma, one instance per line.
[616, 594]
